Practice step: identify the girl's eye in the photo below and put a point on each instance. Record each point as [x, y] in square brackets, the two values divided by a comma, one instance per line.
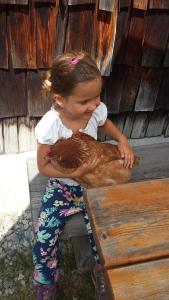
[84, 102]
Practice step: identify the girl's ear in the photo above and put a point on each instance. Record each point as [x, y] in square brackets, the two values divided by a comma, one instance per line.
[59, 100]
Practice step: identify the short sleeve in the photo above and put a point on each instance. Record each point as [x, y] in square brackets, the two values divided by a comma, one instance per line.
[100, 114]
[46, 131]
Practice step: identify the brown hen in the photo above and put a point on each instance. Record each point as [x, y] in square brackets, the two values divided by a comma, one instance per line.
[69, 154]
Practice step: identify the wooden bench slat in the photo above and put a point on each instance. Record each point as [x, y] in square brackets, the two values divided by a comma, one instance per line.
[130, 221]
[141, 281]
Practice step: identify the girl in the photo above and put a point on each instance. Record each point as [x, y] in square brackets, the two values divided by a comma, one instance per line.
[75, 82]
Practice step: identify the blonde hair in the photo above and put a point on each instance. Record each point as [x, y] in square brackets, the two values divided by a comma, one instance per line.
[68, 70]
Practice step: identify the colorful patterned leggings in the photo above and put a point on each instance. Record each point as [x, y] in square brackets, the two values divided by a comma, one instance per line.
[58, 203]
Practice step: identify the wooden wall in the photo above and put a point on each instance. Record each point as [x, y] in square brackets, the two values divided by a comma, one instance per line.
[129, 40]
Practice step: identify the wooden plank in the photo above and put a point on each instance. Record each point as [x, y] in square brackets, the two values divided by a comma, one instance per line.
[130, 221]
[125, 3]
[148, 90]
[119, 120]
[18, 2]
[162, 98]
[133, 51]
[141, 281]
[154, 161]
[109, 5]
[12, 93]
[104, 38]
[140, 4]
[36, 94]
[128, 125]
[46, 18]
[26, 134]
[156, 123]
[166, 133]
[77, 2]
[139, 125]
[156, 4]
[61, 28]
[155, 39]
[3, 38]
[130, 88]
[113, 95]
[121, 36]
[22, 36]
[10, 135]
[46, 1]
[1, 137]
[78, 35]
[166, 58]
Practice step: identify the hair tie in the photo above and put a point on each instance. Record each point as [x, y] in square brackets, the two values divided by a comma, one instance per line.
[74, 60]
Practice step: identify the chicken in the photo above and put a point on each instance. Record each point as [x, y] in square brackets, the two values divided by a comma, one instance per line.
[69, 154]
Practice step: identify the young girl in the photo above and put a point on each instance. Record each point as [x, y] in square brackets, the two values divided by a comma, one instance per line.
[75, 83]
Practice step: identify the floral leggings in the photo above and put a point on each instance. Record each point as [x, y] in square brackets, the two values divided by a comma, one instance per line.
[58, 203]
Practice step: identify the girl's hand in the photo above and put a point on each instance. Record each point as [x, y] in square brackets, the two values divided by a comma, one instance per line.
[86, 168]
[126, 153]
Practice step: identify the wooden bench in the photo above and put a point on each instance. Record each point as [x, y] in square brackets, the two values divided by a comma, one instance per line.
[130, 223]
[154, 162]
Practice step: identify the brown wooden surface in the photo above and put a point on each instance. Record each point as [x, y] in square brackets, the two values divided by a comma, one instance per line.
[155, 39]
[61, 26]
[156, 123]
[104, 38]
[46, 17]
[140, 4]
[121, 36]
[141, 281]
[162, 101]
[130, 221]
[80, 18]
[39, 101]
[22, 36]
[3, 38]
[148, 90]
[18, 2]
[108, 5]
[12, 93]
[133, 50]
[130, 88]
[156, 4]
[166, 58]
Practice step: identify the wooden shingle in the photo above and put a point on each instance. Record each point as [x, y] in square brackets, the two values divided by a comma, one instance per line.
[162, 101]
[122, 28]
[104, 36]
[12, 93]
[39, 101]
[46, 17]
[140, 4]
[155, 40]
[3, 38]
[61, 26]
[148, 90]
[17, 2]
[77, 37]
[156, 4]
[22, 36]
[109, 5]
[133, 51]
[132, 77]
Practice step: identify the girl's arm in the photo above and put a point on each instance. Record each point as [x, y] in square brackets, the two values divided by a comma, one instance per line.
[46, 168]
[112, 131]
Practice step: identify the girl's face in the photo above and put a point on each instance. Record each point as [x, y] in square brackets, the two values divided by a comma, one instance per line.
[83, 101]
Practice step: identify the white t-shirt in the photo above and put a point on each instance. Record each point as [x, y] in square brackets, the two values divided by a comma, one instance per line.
[50, 129]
